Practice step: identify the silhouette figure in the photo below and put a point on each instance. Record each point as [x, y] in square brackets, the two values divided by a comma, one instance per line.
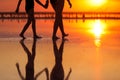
[30, 63]
[58, 6]
[58, 71]
[29, 7]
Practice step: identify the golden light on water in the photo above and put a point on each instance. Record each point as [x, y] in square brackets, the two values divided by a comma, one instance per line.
[98, 29]
[97, 42]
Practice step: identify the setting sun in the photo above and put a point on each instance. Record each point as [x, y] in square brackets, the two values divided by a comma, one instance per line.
[97, 2]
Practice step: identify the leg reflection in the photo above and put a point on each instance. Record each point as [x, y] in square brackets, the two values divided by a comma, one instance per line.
[30, 63]
[58, 71]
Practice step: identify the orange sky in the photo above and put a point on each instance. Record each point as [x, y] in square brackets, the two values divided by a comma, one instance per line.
[78, 5]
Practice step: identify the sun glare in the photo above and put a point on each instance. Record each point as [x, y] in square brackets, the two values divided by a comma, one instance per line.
[98, 28]
[97, 2]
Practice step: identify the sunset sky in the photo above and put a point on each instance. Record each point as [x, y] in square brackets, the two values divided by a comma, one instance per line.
[78, 5]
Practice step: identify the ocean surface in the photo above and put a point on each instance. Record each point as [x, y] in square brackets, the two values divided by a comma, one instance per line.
[90, 52]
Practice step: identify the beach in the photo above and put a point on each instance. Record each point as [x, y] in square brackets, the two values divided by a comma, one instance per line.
[85, 55]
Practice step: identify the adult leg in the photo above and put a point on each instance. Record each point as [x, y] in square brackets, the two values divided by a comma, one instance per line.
[26, 25]
[33, 24]
[61, 26]
[56, 24]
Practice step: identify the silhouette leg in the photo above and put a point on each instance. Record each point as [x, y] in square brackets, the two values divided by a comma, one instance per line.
[56, 24]
[26, 25]
[34, 24]
[61, 27]
[34, 29]
[25, 28]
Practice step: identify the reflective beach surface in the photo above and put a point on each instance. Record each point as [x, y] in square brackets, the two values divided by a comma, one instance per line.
[90, 52]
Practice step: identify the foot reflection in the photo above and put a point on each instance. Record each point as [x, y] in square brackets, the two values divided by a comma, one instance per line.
[58, 71]
[30, 63]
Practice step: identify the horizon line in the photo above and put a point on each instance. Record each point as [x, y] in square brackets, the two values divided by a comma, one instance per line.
[117, 12]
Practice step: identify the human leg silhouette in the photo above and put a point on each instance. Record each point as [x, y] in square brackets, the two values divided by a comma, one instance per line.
[61, 26]
[56, 25]
[29, 20]
[58, 8]
[34, 25]
[34, 29]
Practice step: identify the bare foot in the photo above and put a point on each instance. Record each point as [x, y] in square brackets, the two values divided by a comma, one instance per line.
[65, 35]
[37, 36]
[21, 35]
[55, 38]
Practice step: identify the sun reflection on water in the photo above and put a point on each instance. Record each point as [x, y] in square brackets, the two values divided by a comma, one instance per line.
[97, 42]
[98, 29]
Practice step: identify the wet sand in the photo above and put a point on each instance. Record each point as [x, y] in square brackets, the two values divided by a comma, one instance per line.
[86, 60]
[83, 57]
